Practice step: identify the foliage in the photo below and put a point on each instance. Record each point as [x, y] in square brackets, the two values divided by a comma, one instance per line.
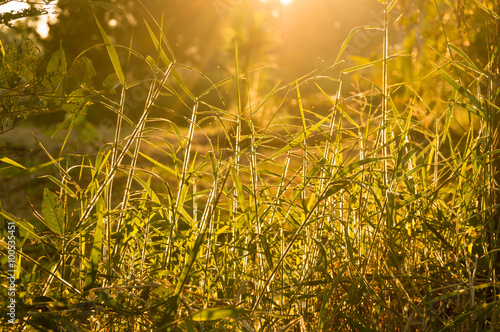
[27, 89]
[365, 218]
[30, 86]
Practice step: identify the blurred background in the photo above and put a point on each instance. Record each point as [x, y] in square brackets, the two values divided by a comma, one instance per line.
[278, 42]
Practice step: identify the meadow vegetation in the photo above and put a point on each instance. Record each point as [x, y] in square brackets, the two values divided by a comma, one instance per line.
[362, 197]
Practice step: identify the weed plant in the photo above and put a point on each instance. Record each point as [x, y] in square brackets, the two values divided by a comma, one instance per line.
[363, 219]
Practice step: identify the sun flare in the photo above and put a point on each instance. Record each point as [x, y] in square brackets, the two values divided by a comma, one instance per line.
[286, 2]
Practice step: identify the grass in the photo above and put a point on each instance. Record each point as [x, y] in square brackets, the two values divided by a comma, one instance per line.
[361, 220]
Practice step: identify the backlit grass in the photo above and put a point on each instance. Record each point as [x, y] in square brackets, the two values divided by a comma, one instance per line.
[364, 218]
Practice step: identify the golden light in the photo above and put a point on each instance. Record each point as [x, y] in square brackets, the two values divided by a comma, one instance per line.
[12, 6]
[286, 2]
[42, 24]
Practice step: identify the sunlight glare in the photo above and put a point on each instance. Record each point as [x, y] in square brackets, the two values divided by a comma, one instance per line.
[283, 2]
[12, 6]
[42, 24]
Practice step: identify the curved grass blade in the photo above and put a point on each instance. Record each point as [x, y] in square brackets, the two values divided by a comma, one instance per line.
[350, 36]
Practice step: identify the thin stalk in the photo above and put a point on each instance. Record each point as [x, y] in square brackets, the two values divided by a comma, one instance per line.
[385, 92]
[187, 153]
[447, 41]
[309, 244]
[236, 163]
[282, 226]
[145, 244]
[385, 151]
[140, 128]
[328, 142]
[183, 182]
[135, 134]
[253, 174]
[291, 242]
[114, 156]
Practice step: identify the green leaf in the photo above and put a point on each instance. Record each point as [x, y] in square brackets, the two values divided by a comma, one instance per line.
[148, 189]
[155, 40]
[300, 138]
[95, 253]
[239, 190]
[190, 260]
[323, 257]
[26, 229]
[57, 63]
[460, 89]
[56, 71]
[80, 75]
[483, 7]
[167, 62]
[60, 184]
[155, 162]
[53, 212]
[267, 251]
[110, 83]
[466, 58]
[218, 313]
[351, 167]
[362, 66]
[112, 54]
[369, 64]
[336, 187]
[391, 5]
[334, 103]
[2, 50]
[12, 162]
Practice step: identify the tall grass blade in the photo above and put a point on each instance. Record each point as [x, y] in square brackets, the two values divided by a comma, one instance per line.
[96, 251]
[113, 55]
